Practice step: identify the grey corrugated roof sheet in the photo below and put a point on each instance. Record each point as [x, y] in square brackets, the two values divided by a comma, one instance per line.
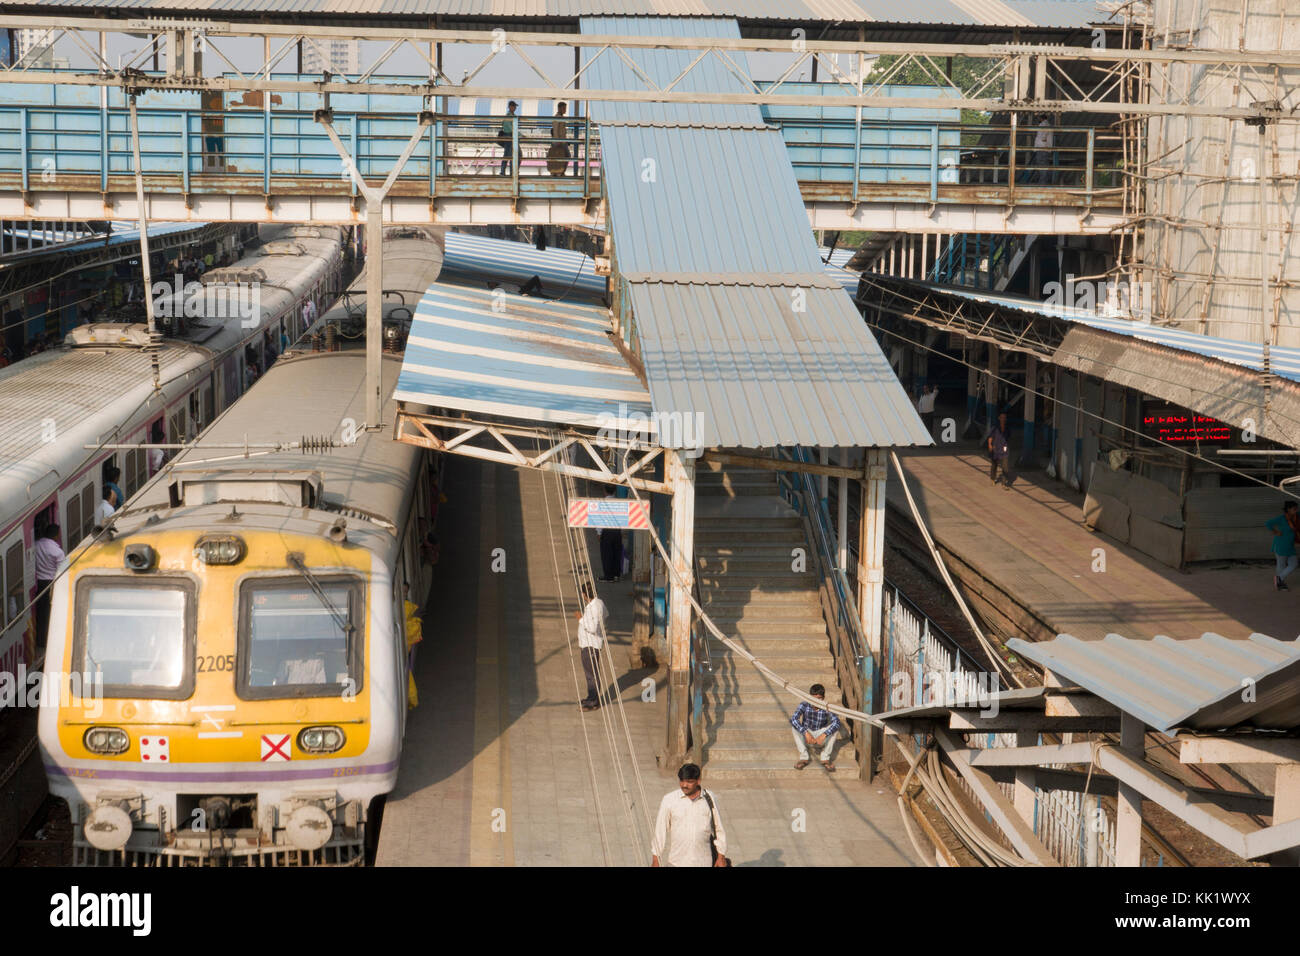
[759, 374]
[739, 326]
[1010, 13]
[721, 200]
[1197, 684]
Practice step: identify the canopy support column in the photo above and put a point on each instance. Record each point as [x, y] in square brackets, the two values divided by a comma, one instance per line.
[680, 614]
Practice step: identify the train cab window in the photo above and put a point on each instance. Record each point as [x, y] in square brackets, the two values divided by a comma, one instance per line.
[139, 637]
[296, 640]
[13, 583]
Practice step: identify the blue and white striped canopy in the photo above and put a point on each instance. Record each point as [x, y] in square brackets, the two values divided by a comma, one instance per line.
[490, 352]
[561, 270]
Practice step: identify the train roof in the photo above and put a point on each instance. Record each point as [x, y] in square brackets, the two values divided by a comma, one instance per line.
[311, 395]
[57, 402]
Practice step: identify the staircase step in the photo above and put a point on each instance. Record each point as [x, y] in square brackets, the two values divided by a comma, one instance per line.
[754, 630]
[765, 565]
[774, 648]
[775, 769]
[731, 602]
[730, 525]
[784, 656]
[752, 507]
[745, 677]
[723, 548]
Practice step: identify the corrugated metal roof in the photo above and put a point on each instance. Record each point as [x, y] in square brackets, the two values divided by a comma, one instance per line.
[705, 200]
[562, 271]
[835, 262]
[1043, 13]
[754, 373]
[1284, 361]
[518, 357]
[739, 327]
[1197, 684]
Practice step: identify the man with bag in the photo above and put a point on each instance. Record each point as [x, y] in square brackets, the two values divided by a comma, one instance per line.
[689, 826]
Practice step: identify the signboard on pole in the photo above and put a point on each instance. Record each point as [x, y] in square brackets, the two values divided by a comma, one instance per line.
[609, 513]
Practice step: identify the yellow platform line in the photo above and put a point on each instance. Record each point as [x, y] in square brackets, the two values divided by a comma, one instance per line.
[490, 807]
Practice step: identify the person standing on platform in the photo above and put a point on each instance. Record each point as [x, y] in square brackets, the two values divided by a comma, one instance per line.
[926, 407]
[611, 552]
[591, 640]
[1284, 528]
[49, 555]
[505, 136]
[688, 830]
[816, 726]
[557, 155]
[999, 451]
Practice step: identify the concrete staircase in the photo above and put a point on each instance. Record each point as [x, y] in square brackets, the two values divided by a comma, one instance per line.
[744, 537]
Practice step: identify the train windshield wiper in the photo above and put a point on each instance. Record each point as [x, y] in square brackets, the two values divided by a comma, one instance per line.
[340, 618]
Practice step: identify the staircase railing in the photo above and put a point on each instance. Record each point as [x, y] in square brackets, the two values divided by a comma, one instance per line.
[701, 668]
[839, 608]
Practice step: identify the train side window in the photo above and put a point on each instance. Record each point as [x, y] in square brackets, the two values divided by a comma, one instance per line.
[14, 582]
[295, 642]
[72, 519]
[88, 508]
[129, 479]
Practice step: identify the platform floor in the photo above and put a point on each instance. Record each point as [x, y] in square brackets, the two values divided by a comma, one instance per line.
[495, 769]
[1031, 541]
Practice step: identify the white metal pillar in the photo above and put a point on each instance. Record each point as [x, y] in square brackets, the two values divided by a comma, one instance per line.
[1025, 796]
[682, 475]
[842, 534]
[1128, 828]
[374, 311]
[871, 592]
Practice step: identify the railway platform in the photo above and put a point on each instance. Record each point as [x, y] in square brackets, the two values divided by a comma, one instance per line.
[1027, 561]
[496, 769]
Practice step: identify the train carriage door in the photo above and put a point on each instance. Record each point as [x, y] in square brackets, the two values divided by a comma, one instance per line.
[13, 623]
[214, 128]
[209, 403]
[193, 426]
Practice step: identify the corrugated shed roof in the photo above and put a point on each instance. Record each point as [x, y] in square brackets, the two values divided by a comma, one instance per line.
[1197, 684]
[518, 357]
[562, 271]
[759, 374]
[1043, 13]
[705, 200]
[1284, 361]
[739, 326]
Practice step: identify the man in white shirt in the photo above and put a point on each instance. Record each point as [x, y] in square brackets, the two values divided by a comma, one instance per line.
[926, 406]
[591, 628]
[107, 506]
[308, 314]
[1044, 138]
[48, 556]
[685, 829]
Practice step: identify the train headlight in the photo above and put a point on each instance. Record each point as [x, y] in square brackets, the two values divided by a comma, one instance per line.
[321, 740]
[106, 740]
[220, 549]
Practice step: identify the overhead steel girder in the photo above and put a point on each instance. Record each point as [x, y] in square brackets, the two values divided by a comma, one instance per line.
[1007, 66]
[497, 442]
[989, 322]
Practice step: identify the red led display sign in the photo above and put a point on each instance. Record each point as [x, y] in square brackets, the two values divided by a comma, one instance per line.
[1177, 426]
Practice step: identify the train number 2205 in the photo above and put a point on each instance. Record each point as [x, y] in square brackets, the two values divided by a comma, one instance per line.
[216, 662]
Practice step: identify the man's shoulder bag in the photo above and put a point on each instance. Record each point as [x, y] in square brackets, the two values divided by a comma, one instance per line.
[713, 831]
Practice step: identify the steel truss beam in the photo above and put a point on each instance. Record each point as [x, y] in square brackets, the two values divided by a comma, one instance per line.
[999, 325]
[1032, 77]
[496, 442]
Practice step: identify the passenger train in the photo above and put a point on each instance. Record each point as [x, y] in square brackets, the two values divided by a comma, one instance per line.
[245, 615]
[98, 391]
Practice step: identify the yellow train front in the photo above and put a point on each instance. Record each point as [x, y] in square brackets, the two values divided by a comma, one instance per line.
[232, 665]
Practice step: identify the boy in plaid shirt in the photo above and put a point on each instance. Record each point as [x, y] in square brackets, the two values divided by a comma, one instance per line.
[817, 727]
